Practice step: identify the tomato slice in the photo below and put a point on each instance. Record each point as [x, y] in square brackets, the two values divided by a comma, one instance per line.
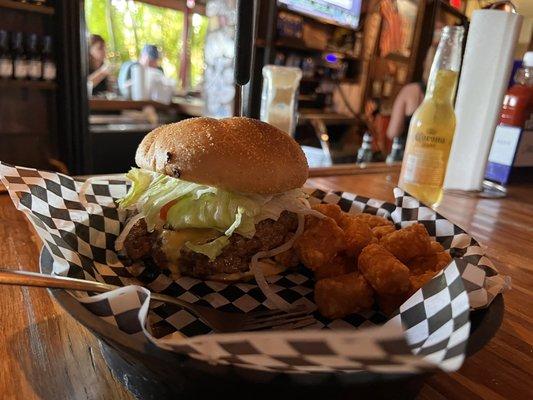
[164, 210]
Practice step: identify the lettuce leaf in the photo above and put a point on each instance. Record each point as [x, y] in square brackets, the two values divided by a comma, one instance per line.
[196, 206]
[201, 206]
[224, 211]
[211, 249]
[140, 180]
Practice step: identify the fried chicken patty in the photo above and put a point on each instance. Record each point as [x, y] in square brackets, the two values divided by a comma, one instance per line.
[235, 257]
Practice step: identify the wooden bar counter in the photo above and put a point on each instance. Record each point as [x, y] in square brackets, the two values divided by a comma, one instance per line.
[45, 354]
[181, 105]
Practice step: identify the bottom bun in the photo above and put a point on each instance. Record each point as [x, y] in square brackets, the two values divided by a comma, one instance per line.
[268, 267]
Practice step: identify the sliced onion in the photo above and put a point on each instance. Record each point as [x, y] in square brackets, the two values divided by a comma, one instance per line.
[119, 243]
[310, 211]
[306, 202]
[256, 269]
[89, 181]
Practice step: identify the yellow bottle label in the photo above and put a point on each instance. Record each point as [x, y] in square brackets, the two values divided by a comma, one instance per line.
[429, 139]
[424, 168]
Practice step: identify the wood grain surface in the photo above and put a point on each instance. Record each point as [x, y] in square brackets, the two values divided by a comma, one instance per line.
[45, 354]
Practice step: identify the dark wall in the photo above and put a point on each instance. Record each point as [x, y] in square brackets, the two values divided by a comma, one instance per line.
[27, 110]
[43, 121]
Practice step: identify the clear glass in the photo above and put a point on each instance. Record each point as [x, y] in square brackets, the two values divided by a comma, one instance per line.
[433, 124]
[447, 58]
[278, 98]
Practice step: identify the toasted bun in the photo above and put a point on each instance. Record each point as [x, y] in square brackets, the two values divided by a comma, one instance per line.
[237, 154]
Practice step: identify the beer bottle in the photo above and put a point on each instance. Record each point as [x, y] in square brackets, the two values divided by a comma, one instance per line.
[34, 58]
[6, 63]
[48, 63]
[365, 153]
[20, 61]
[433, 124]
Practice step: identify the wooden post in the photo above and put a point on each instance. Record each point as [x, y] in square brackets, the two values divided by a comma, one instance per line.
[185, 50]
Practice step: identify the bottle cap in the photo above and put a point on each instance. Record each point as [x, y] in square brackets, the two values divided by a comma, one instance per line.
[528, 59]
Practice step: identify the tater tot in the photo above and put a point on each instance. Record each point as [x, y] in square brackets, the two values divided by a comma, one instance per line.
[443, 259]
[340, 265]
[371, 220]
[288, 258]
[436, 247]
[358, 235]
[343, 295]
[385, 273]
[417, 281]
[329, 210]
[431, 262]
[321, 240]
[420, 265]
[390, 303]
[380, 232]
[408, 243]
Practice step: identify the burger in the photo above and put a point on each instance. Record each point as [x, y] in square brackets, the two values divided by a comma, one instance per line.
[216, 199]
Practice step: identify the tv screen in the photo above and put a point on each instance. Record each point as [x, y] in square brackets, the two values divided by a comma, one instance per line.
[341, 12]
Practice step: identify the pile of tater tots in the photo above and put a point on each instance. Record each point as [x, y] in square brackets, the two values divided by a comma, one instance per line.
[360, 259]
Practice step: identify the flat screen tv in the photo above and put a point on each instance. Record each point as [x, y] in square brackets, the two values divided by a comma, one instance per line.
[341, 12]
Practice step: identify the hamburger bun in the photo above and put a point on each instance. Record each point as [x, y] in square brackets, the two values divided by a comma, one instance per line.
[236, 154]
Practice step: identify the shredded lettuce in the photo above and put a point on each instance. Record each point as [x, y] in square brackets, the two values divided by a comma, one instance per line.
[140, 180]
[293, 200]
[224, 211]
[201, 206]
[211, 249]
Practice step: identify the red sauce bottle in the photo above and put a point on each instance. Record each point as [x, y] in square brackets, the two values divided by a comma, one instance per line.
[518, 102]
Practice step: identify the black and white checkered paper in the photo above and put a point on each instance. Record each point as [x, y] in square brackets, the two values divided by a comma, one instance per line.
[429, 330]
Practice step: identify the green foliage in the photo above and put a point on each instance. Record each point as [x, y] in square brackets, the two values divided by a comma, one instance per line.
[197, 42]
[127, 26]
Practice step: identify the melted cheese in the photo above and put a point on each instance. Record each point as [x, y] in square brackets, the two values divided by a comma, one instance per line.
[173, 241]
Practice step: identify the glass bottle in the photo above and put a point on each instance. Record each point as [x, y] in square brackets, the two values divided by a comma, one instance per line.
[278, 97]
[518, 101]
[6, 63]
[433, 124]
[48, 62]
[20, 61]
[396, 154]
[34, 58]
[365, 153]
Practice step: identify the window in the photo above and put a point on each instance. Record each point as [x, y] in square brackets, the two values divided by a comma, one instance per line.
[128, 25]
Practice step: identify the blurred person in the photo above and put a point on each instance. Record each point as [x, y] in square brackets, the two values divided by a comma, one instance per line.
[99, 70]
[403, 108]
[372, 121]
[150, 57]
[412, 94]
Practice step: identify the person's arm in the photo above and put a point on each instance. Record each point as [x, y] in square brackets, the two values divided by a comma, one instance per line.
[397, 118]
[99, 75]
[368, 118]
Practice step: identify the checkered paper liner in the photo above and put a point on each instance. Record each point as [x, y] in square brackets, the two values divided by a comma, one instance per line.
[429, 330]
